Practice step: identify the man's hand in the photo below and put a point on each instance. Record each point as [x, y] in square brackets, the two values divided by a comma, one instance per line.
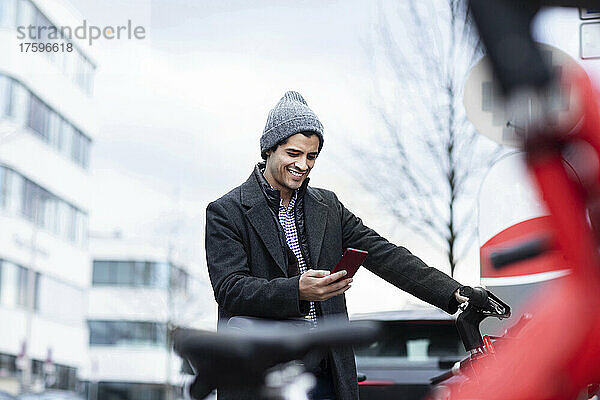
[459, 298]
[319, 285]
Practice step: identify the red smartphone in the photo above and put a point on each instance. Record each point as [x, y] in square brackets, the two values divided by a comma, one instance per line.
[350, 261]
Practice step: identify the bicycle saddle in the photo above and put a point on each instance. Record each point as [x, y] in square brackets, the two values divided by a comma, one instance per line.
[239, 356]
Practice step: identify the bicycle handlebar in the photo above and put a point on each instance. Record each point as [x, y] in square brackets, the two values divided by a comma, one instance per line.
[482, 304]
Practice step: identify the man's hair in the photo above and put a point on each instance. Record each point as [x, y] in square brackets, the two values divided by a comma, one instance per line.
[284, 141]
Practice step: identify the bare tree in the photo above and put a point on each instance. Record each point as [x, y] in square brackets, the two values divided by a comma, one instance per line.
[424, 163]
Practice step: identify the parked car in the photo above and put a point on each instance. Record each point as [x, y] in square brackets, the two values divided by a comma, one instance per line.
[415, 346]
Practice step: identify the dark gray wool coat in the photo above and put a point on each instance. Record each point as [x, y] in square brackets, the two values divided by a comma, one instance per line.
[248, 265]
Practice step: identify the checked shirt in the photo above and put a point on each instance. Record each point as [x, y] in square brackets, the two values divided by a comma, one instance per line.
[287, 219]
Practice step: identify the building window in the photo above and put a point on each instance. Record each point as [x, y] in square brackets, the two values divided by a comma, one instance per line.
[80, 149]
[26, 13]
[63, 212]
[42, 22]
[73, 64]
[101, 273]
[52, 298]
[13, 284]
[160, 275]
[8, 365]
[20, 196]
[12, 191]
[83, 72]
[57, 132]
[67, 137]
[118, 333]
[37, 205]
[3, 189]
[65, 377]
[19, 103]
[81, 226]
[125, 274]
[39, 118]
[139, 274]
[8, 9]
[5, 96]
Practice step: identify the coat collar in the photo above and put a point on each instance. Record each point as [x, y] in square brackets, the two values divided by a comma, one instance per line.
[262, 219]
[251, 193]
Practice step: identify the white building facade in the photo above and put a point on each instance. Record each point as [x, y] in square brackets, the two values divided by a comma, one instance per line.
[138, 292]
[46, 131]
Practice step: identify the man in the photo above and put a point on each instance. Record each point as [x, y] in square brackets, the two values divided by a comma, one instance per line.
[272, 242]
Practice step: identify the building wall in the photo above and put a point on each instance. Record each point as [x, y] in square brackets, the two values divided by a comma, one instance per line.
[60, 265]
[135, 303]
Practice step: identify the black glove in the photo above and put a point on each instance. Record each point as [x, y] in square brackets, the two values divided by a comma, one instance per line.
[477, 296]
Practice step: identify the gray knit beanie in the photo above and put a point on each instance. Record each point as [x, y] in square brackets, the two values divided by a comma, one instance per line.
[291, 115]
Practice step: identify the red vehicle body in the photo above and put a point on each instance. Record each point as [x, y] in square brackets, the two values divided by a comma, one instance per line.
[556, 353]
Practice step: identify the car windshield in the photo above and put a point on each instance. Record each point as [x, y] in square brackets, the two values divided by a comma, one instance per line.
[414, 340]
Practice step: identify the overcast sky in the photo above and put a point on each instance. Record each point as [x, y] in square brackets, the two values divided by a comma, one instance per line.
[181, 112]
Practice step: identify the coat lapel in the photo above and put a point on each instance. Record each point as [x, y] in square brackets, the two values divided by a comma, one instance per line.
[262, 221]
[316, 221]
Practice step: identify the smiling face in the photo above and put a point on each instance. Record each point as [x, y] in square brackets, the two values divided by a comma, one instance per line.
[290, 163]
